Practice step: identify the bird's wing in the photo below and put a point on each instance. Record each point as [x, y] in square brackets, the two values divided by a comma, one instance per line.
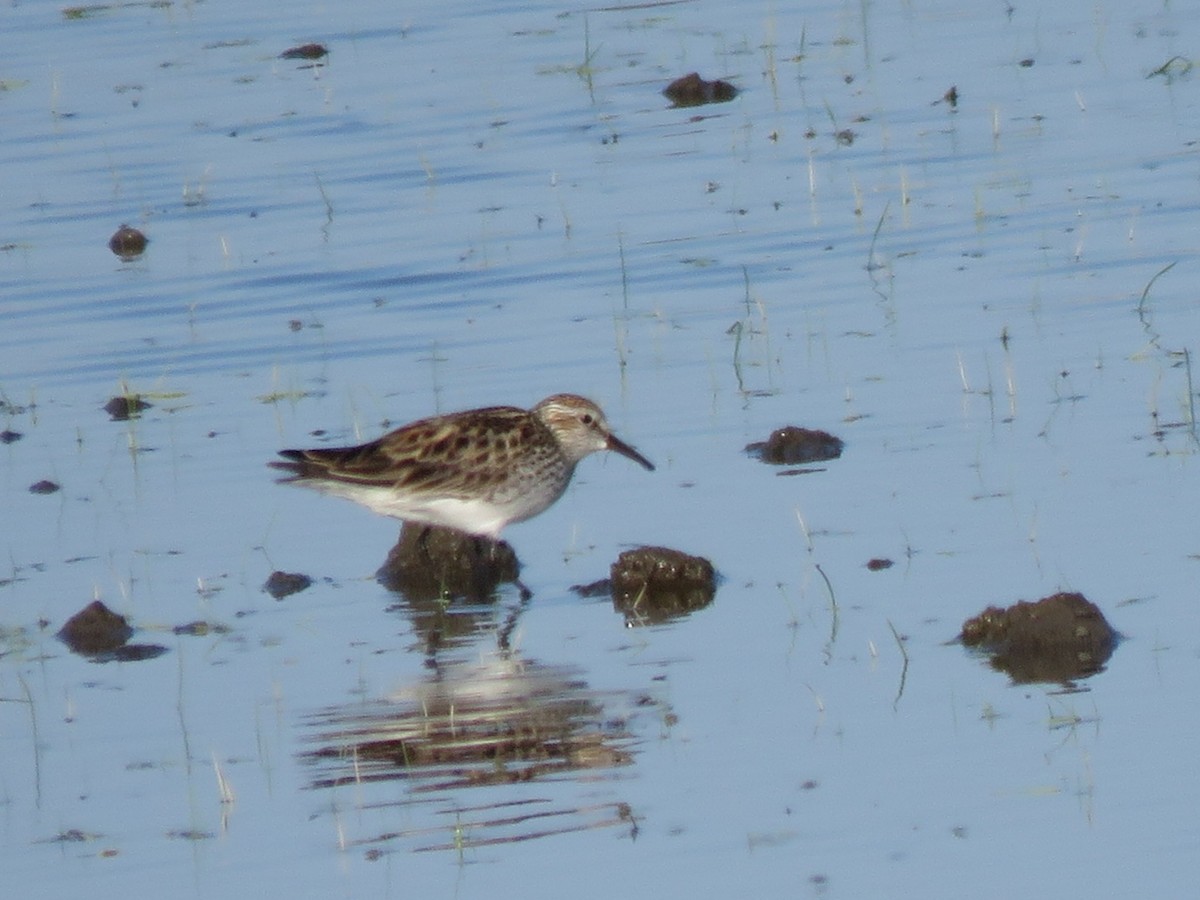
[461, 452]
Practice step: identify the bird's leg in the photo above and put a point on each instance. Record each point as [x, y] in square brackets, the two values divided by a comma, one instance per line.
[423, 541]
[510, 623]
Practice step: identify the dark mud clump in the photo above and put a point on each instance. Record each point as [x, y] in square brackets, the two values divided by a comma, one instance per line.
[95, 629]
[305, 51]
[8, 436]
[284, 584]
[128, 243]
[692, 90]
[45, 486]
[651, 585]
[878, 564]
[1057, 639]
[792, 445]
[99, 633]
[431, 562]
[125, 407]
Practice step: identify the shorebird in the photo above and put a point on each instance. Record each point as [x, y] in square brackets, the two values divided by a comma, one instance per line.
[474, 471]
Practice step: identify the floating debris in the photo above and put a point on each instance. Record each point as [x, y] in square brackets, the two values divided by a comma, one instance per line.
[1057, 639]
[878, 564]
[71, 836]
[601, 588]
[190, 834]
[128, 243]
[651, 585]
[692, 90]
[284, 584]
[45, 486]
[305, 51]
[126, 406]
[792, 445]
[200, 628]
[8, 436]
[1173, 68]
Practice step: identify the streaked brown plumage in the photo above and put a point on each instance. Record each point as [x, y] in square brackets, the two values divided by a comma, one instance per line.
[476, 471]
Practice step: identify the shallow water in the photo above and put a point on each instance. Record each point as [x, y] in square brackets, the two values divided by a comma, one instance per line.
[464, 208]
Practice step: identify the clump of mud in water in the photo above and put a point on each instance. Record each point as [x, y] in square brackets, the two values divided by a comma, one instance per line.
[792, 445]
[128, 243]
[692, 90]
[284, 584]
[651, 585]
[125, 407]
[102, 635]
[305, 51]
[1059, 638]
[431, 562]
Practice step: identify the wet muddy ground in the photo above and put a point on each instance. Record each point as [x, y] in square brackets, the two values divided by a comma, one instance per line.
[951, 243]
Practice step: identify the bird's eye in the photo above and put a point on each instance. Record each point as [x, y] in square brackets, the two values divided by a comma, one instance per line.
[588, 419]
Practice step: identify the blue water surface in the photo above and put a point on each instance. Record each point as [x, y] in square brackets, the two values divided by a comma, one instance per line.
[466, 205]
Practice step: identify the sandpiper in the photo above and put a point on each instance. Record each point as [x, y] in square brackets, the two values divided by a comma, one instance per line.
[475, 471]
